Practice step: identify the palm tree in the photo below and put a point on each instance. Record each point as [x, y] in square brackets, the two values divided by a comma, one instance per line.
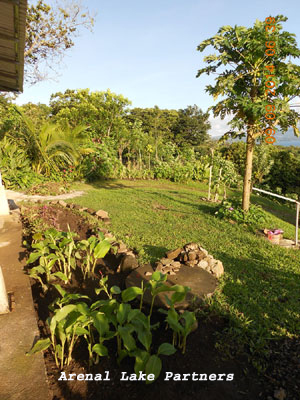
[51, 146]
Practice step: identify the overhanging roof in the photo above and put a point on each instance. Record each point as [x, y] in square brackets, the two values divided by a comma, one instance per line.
[12, 44]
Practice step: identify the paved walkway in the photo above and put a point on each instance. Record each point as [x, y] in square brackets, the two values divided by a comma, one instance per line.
[21, 377]
[18, 196]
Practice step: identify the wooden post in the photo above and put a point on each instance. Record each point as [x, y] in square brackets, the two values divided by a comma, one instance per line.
[297, 223]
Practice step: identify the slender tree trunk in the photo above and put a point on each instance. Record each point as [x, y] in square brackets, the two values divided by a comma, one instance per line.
[248, 171]
[225, 192]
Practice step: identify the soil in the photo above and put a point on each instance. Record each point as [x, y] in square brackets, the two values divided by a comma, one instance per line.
[201, 357]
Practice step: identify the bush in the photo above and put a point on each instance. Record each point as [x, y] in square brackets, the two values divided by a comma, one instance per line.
[232, 210]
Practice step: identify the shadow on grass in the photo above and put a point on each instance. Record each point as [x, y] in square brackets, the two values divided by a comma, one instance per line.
[155, 252]
[108, 185]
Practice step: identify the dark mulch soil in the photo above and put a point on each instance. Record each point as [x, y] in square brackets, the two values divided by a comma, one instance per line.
[201, 356]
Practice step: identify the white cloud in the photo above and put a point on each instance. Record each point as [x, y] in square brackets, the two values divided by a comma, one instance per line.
[219, 126]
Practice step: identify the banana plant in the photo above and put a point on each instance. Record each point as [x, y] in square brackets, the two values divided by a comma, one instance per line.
[94, 248]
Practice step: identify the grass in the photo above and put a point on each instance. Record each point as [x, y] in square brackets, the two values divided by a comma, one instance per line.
[259, 291]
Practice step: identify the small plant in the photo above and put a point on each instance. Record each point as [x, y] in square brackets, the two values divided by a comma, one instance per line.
[94, 248]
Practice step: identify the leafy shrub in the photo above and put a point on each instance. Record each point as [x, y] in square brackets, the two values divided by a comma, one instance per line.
[15, 167]
[232, 210]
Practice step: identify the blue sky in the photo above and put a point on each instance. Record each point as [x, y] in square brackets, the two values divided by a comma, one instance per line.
[146, 50]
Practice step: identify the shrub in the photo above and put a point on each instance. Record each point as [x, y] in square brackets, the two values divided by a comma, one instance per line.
[232, 210]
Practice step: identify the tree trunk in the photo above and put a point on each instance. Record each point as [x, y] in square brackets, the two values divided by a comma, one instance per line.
[248, 171]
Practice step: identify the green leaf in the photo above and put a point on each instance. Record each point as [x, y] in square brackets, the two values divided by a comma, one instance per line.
[100, 322]
[128, 340]
[153, 366]
[115, 290]
[33, 257]
[123, 312]
[40, 345]
[166, 349]
[61, 276]
[101, 249]
[81, 331]
[131, 293]
[141, 358]
[63, 312]
[83, 308]
[60, 290]
[100, 349]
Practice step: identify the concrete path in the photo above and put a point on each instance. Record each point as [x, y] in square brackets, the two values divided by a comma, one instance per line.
[18, 196]
[21, 377]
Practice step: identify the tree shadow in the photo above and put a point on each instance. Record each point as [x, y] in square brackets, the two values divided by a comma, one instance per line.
[155, 252]
[108, 185]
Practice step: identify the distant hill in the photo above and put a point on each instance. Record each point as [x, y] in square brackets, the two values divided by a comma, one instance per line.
[288, 139]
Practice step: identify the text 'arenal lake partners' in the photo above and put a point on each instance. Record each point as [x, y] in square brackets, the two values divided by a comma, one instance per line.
[169, 376]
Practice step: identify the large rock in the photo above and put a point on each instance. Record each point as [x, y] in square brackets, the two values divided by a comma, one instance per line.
[202, 284]
[102, 214]
[173, 253]
[128, 264]
[217, 269]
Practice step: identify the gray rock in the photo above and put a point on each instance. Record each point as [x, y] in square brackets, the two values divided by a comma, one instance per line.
[191, 246]
[62, 203]
[204, 251]
[203, 264]
[202, 284]
[192, 256]
[173, 253]
[217, 269]
[159, 267]
[102, 214]
[166, 261]
[176, 264]
[128, 264]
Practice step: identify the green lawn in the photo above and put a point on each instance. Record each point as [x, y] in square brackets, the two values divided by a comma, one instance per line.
[260, 290]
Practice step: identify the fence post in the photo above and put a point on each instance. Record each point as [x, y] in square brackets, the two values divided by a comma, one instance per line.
[297, 223]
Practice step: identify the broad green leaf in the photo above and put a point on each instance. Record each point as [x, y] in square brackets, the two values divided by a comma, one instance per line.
[33, 257]
[123, 312]
[100, 349]
[166, 349]
[153, 366]
[101, 249]
[131, 293]
[141, 358]
[100, 322]
[115, 290]
[64, 311]
[83, 308]
[128, 340]
[61, 276]
[40, 345]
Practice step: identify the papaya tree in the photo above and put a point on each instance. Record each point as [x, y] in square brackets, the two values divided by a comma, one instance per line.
[244, 68]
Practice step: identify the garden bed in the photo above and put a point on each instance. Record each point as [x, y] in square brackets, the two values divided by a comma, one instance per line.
[201, 357]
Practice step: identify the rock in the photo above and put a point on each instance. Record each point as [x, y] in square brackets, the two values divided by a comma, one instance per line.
[102, 214]
[171, 272]
[90, 211]
[159, 267]
[128, 264]
[280, 394]
[148, 273]
[217, 269]
[185, 257]
[62, 203]
[191, 246]
[173, 253]
[202, 284]
[176, 264]
[192, 256]
[191, 264]
[203, 264]
[211, 262]
[176, 269]
[204, 251]
[166, 269]
[82, 209]
[165, 261]
[122, 248]
[201, 254]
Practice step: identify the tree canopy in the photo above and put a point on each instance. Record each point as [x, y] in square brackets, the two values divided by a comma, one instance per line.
[240, 65]
[50, 31]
